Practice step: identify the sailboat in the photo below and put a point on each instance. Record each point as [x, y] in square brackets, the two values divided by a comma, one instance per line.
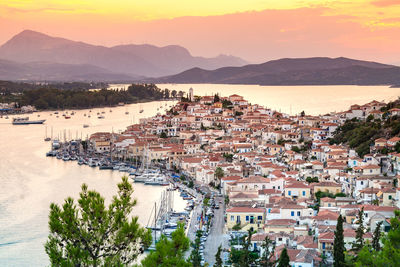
[46, 138]
[141, 109]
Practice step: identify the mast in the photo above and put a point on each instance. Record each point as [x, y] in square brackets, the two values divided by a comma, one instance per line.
[155, 222]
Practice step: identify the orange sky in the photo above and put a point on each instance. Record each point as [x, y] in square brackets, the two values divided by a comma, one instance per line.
[255, 30]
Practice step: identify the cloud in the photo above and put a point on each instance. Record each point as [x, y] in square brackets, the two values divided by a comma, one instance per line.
[385, 3]
[36, 10]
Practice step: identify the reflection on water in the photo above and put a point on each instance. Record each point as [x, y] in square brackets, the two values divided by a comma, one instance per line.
[30, 181]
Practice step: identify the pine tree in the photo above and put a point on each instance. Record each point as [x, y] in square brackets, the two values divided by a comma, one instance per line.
[284, 259]
[218, 260]
[245, 259]
[338, 245]
[269, 249]
[359, 243]
[377, 236]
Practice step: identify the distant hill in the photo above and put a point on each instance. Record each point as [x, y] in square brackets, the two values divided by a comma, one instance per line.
[296, 71]
[131, 60]
[47, 71]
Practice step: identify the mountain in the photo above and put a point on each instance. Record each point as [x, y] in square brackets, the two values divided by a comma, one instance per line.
[39, 71]
[295, 71]
[132, 60]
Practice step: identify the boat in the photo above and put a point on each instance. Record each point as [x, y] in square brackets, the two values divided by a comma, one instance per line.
[66, 157]
[100, 117]
[85, 125]
[24, 121]
[51, 153]
[67, 117]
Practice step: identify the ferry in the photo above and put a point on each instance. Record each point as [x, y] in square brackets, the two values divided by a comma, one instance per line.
[24, 121]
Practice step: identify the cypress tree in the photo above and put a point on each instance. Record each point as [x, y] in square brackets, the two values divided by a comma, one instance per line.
[377, 236]
[218, 260]
[359, 243]
[338, 245]
[284, 260]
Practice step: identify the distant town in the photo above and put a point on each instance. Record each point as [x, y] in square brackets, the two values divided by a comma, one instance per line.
[280, 175]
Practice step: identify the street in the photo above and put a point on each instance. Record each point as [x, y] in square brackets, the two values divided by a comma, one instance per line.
[217, 236]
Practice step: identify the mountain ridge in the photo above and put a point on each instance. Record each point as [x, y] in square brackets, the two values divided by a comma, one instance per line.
[295, 71]
[132, 60]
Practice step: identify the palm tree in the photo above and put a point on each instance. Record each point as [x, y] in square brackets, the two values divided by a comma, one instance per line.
[219, 173]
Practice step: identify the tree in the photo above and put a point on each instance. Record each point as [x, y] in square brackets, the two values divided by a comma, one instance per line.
[218, 259]
[247, 258]
[219, 173]
[302, 114]
[216, 98]
[389, 254]
[269, 251]
[338, 245]
[195, 257]
[163, 135]
[90, 234]
[377, 237]
[359, 243]
[284, 259]
[170, 252]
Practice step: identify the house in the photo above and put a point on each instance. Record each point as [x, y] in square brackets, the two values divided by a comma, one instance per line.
[329, 187]
[246, 217]
[297, 190]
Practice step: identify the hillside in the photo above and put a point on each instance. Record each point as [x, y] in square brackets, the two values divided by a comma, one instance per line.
[360, 134]
[47, 71]
[302, 71]
[131, 60]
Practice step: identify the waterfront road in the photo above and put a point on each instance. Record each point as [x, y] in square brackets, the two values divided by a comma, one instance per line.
[217, 236]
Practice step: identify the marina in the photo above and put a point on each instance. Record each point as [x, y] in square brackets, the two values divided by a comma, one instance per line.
[31, 181]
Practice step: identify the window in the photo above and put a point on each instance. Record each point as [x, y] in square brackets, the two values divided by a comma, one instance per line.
[298, 213]
[259, 218]
[280, 239]
[232, 218]
[279, 187]
[390, 196]
[362, 182]
[289, 193]
[304, 193]
[292, 213]
[247, 218]
[269, 210]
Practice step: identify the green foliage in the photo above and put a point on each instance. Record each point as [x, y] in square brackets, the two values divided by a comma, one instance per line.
[284, 259]
[170, 252]
[218, 259]
[267, 259]
[216, 98]
[338, 245]
[55, 98]
[228, 157]
[226, 103]
[358, 134]
[90, 234]
[195, 257]
[296, 149]
[359, 243]
[238, 113]
[237, 227]
[219, 173]
[320, 194]
[163, 135]
[377, 237]
[389, 254]
[312, 180]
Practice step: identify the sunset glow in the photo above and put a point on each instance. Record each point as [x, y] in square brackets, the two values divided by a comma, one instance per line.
[250, 29]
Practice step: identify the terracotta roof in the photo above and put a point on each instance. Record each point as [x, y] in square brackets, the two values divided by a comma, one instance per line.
[245, 209]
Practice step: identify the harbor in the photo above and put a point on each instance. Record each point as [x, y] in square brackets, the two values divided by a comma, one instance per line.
[31, 181]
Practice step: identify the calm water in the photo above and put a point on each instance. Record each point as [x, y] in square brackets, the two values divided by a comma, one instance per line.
[313, 100]
[30, 181]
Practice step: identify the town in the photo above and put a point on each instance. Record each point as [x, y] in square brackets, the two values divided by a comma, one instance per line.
[275, 175]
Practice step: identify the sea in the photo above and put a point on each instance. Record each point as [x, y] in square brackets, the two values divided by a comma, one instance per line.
[30, 182]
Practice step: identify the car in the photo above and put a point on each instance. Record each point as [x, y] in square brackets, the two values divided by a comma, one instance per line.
[217, 206]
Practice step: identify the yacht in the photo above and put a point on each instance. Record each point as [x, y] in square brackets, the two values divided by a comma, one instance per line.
[24, 121]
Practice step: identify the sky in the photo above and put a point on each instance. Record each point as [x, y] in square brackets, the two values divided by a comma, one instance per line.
[255, 30]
